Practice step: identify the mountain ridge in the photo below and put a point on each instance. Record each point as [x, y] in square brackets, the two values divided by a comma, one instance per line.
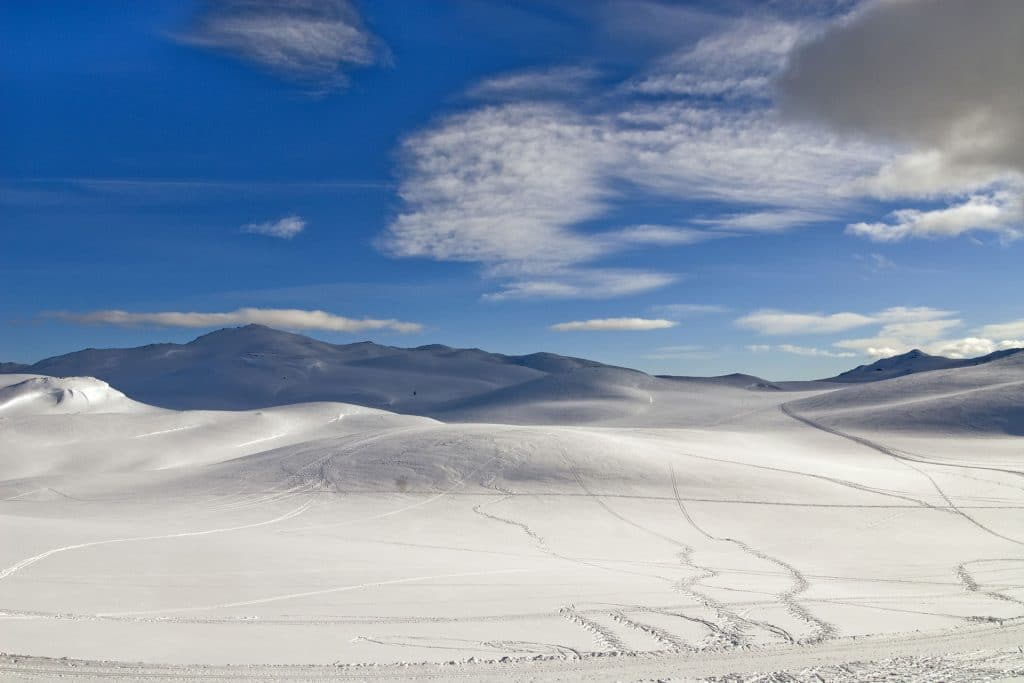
[913, 362]
[255, 366]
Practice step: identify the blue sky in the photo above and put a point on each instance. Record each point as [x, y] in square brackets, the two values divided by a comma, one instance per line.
[686, 188]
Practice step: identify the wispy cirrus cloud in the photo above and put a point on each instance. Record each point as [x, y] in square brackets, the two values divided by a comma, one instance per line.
[574, 283]
[535, 83]
[284, 228]
[313, 42]
[288, 318]
[614, 324]
[739, 62]
[527, 184]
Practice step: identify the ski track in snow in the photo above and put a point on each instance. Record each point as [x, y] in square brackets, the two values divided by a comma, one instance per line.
[29, 561]
[308, 594]
[685, 597]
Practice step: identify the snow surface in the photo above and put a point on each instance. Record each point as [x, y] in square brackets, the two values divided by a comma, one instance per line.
[578, 520]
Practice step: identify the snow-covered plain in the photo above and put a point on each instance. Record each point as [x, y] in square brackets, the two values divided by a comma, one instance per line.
[593, 523]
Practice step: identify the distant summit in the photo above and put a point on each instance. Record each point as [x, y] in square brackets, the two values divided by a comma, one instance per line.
[257, 366]
[911, 363]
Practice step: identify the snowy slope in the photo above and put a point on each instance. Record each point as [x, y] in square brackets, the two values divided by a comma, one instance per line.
[80, 425]
[330, 533]
[984, 398]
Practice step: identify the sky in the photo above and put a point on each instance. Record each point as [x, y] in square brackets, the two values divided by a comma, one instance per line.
[787, 188]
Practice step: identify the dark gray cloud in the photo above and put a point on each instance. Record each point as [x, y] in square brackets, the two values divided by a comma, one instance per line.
[938, 74]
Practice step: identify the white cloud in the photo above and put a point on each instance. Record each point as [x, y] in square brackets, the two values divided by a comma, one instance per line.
[1014, 328]
[773, 322]
[916, 332]
[903, 329]
[309, 40]
[899, 328]
[501, 184]
[971, 347]
[614, 324]
[294, 319]
[1000, 212]
[285, 228]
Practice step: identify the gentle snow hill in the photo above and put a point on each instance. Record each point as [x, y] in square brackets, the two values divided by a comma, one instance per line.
[911, 363]
[80, 425]
[985, 398]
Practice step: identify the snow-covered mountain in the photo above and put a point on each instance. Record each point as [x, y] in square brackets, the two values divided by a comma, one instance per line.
[911, 363]
[985, 397]
[255, 366]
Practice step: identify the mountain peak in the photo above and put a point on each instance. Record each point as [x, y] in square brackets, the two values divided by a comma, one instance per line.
[252, 331]
[912, 362]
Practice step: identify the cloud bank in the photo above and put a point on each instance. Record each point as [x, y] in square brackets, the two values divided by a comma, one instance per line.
[293, 319]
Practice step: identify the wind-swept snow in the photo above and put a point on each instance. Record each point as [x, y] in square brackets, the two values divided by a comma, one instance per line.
[52, 395]
[564, 520]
